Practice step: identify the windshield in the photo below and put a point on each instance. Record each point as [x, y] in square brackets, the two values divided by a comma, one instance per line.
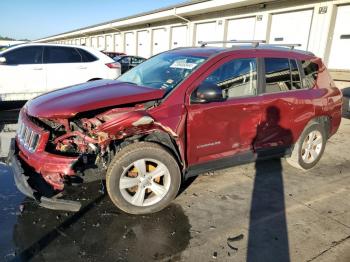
[164, 71]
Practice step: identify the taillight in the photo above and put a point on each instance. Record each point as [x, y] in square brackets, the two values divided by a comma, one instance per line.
[113, 65]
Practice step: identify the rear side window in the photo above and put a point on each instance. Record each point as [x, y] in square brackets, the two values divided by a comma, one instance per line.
[86, 56]
[310, 71]
[281, 74]
[57, 54]
[25, 55]
[137, 60]
[236, 78]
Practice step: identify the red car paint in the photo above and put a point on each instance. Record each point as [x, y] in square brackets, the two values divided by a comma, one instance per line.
[230, 126]
[67, 102]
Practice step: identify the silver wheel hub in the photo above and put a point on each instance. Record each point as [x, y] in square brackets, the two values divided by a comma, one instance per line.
[312, 146]
[145, 182]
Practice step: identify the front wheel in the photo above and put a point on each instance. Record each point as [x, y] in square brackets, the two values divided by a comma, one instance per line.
[309, 148]
[143, 178]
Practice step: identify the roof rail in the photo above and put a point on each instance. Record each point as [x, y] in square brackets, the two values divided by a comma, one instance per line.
[255, 43]
[291, 46]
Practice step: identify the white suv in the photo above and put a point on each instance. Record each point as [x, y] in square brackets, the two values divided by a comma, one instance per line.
[29, 70]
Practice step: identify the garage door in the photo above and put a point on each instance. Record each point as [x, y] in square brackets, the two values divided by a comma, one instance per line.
[179, 36]
[118, 45]
[291, 28]
[94, 42]
[130, 47]
[109, 43]
[241, 29]
[143, 44]
[101, 43]
[206, 32]
[160, 41]
[340, 54]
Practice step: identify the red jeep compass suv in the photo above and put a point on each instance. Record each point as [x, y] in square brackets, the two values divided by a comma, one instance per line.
[178, 114]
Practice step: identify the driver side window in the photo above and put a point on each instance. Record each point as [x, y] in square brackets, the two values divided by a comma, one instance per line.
[236, 78]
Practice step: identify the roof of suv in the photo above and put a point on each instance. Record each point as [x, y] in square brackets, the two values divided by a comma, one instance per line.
[49, 44]
[92, 50]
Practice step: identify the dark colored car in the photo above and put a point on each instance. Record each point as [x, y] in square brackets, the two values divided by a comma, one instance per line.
[128, 62]
[180, 113]
[113, 54]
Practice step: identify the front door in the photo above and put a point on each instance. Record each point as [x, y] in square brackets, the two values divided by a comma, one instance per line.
[220, 130]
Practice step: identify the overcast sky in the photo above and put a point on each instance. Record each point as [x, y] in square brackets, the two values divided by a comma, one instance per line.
[33, 19]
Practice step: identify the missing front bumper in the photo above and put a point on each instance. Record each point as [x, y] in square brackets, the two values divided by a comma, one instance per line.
[21, 180]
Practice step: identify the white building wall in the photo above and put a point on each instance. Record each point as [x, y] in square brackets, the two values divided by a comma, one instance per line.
[259, 24]
[10, 42]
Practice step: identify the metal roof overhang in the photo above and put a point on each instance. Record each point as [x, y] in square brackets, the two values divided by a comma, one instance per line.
[184, 10]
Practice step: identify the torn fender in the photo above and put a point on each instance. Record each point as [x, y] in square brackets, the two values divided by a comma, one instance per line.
[132, 123]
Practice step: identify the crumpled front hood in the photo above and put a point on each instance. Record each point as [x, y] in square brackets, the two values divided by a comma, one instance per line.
[67, 102]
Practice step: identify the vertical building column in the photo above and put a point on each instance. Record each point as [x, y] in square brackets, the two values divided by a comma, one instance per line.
[262, 26]
[220, 29]
[321, 32]
[191, 33]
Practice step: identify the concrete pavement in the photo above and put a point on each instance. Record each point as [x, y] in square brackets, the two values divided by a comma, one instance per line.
[265, 211]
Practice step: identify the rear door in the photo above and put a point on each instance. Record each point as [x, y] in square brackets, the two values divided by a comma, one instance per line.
[219, 130]
[23, 76]
[64, 67]
[285, 104]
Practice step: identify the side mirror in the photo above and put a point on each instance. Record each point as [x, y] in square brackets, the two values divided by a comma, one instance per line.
[207, 92]
[2, 60]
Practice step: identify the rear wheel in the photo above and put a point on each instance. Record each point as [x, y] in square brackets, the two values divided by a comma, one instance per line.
[309, 148]
[143, 178]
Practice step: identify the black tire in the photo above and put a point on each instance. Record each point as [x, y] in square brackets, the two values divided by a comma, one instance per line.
[126, 157]
[296, 159]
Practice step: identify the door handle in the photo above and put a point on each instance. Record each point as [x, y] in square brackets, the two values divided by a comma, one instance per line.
[82, 67]
[37, 68]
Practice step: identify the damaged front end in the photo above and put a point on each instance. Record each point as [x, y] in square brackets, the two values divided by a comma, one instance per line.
[70, 151]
